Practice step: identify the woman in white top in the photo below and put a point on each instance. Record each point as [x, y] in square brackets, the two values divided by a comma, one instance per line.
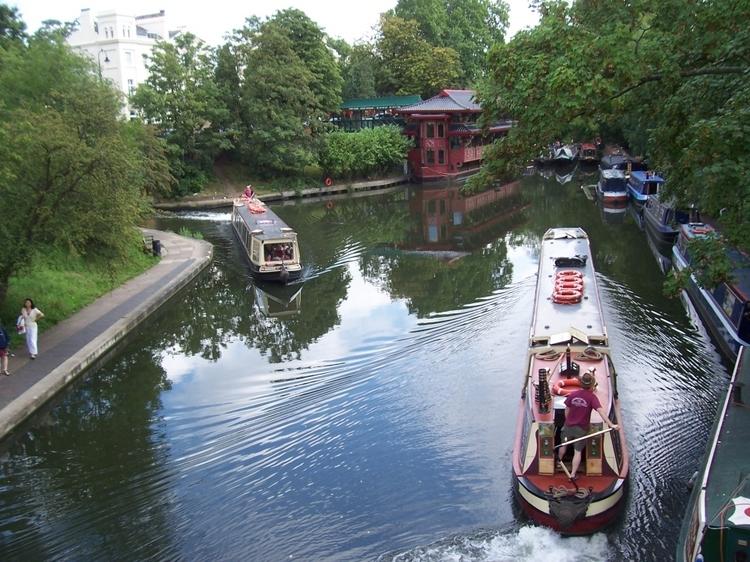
[30, 316]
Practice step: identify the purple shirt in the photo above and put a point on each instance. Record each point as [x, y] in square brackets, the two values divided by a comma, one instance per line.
[580, 403]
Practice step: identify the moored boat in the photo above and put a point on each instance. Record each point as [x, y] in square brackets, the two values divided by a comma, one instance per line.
[642, 185]
[588, 153]
[724, 309]
[565, 153]
[269, 244]
[717, 523]
[662, 219]
[612, 187]
[568, 337]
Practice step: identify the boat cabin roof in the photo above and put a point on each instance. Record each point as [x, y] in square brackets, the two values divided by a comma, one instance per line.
[560, 323]
[728, 469]
[642, 177]
[613, 173]
[268, 222]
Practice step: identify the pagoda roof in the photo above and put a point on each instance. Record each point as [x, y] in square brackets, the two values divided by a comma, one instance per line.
[446, 101]
[386, 102]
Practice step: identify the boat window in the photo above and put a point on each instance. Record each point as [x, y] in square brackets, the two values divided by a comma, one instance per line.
[430, 156]
[430, 130]
[442, 206]
[440, 130]
[431, 207]
[256, 251]
[441, 157]
[278, 252]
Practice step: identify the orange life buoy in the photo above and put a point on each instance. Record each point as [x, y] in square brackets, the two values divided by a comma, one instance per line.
[574, 284]
[328, 181]
[567, 296]
[569, 273]
[329, 205]
[563, 387]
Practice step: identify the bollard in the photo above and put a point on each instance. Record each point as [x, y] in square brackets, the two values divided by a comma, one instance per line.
[156, 247]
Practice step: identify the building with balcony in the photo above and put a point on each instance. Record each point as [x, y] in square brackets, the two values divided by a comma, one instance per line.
[120, 44]
[448, 142]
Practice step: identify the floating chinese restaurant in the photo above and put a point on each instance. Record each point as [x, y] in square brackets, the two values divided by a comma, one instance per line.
[448, 142]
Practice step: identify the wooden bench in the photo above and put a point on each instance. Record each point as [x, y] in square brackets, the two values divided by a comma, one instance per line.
[148, 244]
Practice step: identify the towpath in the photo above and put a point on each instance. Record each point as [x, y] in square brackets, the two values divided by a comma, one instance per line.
[66, 349]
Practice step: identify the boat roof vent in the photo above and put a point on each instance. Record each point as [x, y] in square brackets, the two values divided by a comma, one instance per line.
[257, 231]
[286, 229]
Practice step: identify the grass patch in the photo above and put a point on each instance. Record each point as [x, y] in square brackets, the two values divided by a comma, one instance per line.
[61, 283]
[187, 233]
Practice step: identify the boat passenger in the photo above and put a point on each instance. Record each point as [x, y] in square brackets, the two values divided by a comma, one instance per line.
[578, 407]
[249, 192]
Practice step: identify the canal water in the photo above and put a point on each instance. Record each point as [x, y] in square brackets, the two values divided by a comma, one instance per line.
[366, 413]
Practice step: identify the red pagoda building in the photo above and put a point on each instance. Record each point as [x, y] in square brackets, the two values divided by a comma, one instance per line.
[448, 143]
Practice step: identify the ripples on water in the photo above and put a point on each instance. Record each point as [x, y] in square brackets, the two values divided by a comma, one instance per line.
[365, 427]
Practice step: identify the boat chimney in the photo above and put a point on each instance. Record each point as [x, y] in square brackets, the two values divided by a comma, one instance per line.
[570, 369]
[543, 396]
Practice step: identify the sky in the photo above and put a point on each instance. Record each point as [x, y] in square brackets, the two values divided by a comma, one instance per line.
[348, 19]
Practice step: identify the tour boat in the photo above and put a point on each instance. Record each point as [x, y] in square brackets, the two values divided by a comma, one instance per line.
[642, 185]
[724, 309]
[270, 245]
[717, 523]
[568, 337]
[565, 153]
[612, 187]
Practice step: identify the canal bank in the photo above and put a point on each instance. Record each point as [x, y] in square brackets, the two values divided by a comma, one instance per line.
[286, 195]
[66, 349]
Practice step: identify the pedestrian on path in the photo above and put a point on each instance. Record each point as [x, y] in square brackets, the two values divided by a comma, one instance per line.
[31, 315]
[4, 343]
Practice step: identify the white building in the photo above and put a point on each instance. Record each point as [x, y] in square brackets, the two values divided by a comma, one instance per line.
[120, 45]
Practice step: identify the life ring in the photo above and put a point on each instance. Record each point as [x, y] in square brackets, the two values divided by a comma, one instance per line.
[577, 285]
[567, 296]
[329, 205]
[569, 273]
[699, 230]
[563, 387]
[328, 181]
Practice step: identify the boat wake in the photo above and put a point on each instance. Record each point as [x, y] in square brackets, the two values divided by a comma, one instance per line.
[527, 544]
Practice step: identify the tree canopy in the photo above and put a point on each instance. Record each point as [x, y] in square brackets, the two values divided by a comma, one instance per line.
[72, 173]
[180, 97]
[669, 77]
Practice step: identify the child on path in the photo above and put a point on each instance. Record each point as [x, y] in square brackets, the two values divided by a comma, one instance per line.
[30, 315]
[4, 343]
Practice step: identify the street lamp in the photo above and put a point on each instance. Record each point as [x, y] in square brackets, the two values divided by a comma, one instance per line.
[99, 60]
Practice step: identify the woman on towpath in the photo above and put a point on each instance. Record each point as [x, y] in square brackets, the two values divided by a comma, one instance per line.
[31, 315]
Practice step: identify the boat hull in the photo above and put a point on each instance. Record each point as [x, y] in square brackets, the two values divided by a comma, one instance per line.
[601, 512]
[662, 235]
[722, 332]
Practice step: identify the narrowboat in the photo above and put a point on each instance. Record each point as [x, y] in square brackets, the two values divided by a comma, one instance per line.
[725, 309]
[662, 218]
[588, 153]
[612, 187]
[565, 153]
[568, 337]
[269, 244]
[642, 185]
[716, 526]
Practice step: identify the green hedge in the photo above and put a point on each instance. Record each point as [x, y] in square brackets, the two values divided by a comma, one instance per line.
[365, 153]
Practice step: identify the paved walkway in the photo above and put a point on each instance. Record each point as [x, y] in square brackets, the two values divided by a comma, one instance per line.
[67, 348]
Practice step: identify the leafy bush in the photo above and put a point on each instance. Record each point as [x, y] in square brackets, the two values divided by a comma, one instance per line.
[364, 153]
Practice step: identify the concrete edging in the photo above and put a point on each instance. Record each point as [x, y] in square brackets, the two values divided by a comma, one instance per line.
[23, 406]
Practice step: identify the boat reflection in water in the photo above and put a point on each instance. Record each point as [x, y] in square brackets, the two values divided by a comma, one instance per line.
[278, 301]
[612, 213]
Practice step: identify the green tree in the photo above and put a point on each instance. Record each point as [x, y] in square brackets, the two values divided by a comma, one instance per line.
[12, 28]
[358, 71]
[409, 64]
[180, 97]
[671, 76]
[277, 100]
[290, 84]
[469, 27]
[70, 173]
